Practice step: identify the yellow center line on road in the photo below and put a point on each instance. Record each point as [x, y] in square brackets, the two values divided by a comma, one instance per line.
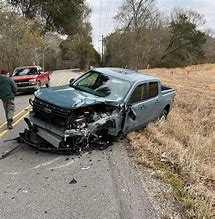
[26, 108]
[20, 119]
[16, 123]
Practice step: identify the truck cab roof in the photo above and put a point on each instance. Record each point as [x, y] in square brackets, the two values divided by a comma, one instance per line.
[30, 66]
[126, 74]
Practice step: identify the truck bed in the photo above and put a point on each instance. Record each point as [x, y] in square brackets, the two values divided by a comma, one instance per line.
[166, 90]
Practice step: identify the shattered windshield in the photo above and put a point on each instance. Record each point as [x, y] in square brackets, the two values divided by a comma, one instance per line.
[101, 85]
[24, 71]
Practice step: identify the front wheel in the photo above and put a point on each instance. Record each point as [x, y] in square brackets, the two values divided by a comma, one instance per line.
[48, 83]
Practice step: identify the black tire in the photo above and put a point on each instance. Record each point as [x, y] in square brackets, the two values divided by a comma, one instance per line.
[48, 84]
[163, 116]
[121, 135]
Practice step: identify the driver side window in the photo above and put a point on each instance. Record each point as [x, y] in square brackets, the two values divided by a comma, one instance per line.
[89, 80]
[139, 94]
[40, 71]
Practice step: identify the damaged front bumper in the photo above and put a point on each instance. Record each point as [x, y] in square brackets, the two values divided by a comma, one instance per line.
[31, 138]
[48, 137]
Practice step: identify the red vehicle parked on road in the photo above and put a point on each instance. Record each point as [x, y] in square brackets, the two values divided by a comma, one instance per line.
[30, 78]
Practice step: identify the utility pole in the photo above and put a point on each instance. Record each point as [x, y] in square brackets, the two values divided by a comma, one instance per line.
[43, 60]
[102, 40]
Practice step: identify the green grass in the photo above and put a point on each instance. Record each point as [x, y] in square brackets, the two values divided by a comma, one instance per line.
[160, 165]
[176, 184]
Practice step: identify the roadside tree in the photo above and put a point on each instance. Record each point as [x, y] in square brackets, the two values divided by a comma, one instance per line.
[139, 33]
[77, 49]
[19, 41]
[186, 41]
[62, 16]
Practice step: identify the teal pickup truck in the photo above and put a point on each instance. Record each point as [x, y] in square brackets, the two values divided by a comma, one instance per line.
[97, 107]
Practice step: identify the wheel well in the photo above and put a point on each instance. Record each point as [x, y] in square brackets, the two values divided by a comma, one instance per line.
[167, 108]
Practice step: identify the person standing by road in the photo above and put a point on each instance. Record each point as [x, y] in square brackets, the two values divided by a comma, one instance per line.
[8, 90]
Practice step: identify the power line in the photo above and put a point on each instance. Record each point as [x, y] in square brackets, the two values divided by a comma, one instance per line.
[108, 28]
[100, 17]
[115, 13]
[104, 25]
[106, 16]
[115, 10]
[100, 22]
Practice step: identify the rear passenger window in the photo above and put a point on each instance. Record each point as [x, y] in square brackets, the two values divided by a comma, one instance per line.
[139, 94]
[153, 89]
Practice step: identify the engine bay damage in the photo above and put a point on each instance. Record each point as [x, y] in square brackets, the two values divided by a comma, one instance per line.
[70, 131]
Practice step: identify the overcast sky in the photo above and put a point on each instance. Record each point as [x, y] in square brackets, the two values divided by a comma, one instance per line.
[103, 12]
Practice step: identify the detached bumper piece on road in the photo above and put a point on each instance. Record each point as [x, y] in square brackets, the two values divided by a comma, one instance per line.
[39, 143]
[49, 142]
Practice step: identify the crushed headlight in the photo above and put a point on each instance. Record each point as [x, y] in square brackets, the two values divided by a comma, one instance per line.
[80, 122]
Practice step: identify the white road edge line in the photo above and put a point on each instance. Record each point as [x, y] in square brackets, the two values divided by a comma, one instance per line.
[33, 168]
[45, 164]
[62, 166]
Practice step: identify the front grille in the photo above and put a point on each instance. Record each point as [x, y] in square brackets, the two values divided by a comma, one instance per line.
[23, 84]
[20, 81]
[50, 113]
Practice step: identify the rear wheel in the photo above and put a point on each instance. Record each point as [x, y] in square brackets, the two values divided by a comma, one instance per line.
[163, 116]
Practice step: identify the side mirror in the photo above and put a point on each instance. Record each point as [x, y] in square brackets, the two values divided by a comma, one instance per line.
[71, 80]
[132, 114]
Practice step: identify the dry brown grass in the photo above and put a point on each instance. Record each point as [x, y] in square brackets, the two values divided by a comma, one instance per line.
[186, 142]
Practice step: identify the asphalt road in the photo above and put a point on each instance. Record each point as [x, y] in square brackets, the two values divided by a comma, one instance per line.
[35, 184]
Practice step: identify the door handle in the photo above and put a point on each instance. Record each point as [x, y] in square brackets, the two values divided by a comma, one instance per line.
[157, 101]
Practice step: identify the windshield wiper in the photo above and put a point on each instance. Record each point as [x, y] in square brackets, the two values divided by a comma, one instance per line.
[87, 91]
[76, 87]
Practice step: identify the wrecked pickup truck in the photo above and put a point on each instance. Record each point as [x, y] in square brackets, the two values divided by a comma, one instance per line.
[96, 108]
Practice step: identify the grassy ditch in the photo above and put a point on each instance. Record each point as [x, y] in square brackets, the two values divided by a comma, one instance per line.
[182, 150]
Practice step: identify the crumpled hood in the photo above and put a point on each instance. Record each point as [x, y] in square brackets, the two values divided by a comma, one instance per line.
[69, 98]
